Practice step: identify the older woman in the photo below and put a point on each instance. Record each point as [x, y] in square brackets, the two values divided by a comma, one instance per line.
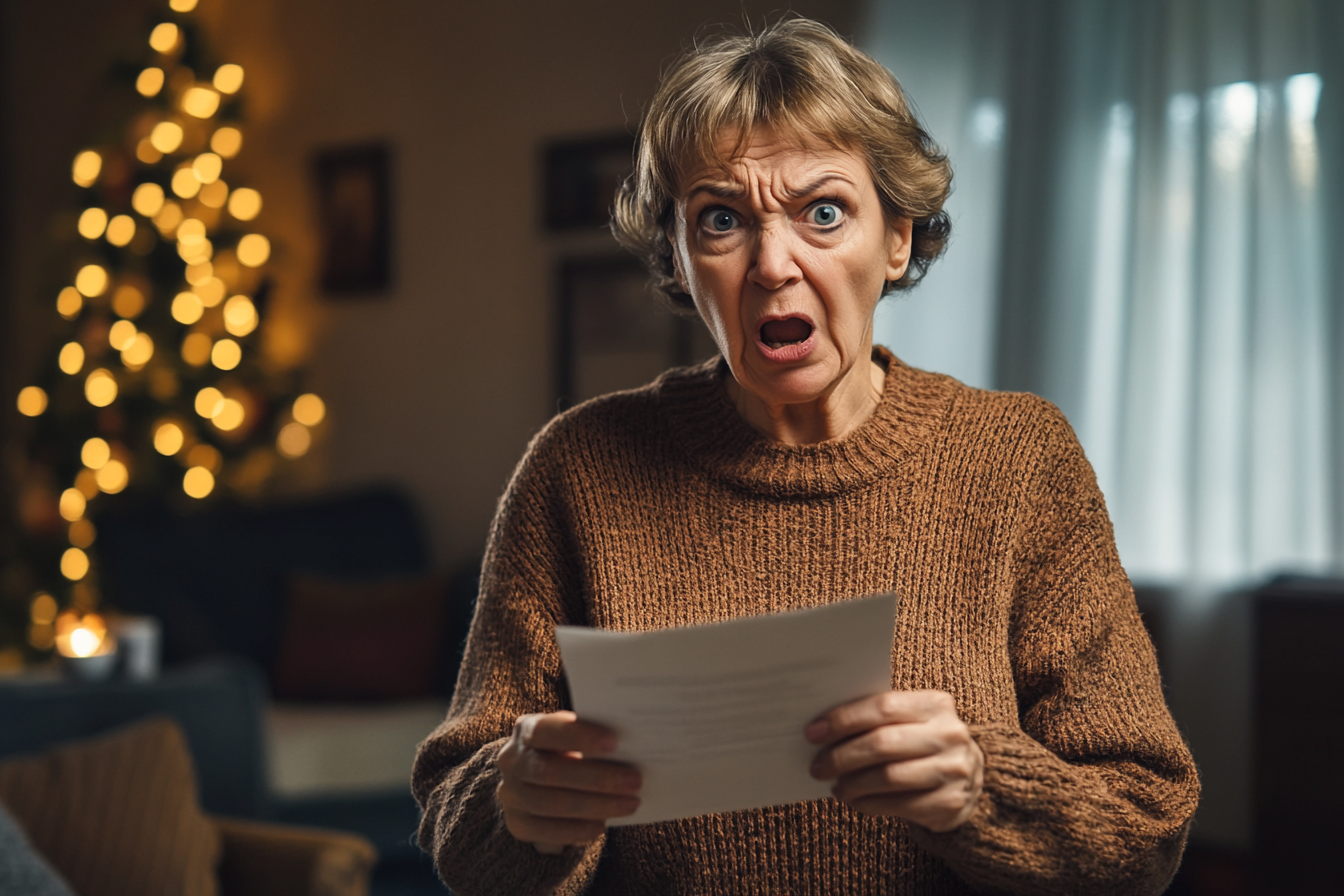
[782, 187]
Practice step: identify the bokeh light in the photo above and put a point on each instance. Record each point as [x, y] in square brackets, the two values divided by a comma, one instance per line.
[113, 477]
[128, 301]
[145, 151]
[73, 504]
[96, 453]
[245, 204]
[92, 223]
[198, 482]
[199, 273]
[43, 610]
[209, 402]
[201, 102]
[121, 230]
[203, 454]
[294, 440]
[228, 78]
[231, 416]
[309, 409]
[32, 401]
[214, 194]
[87, 482]
[69, 303]
[164, 37]
[100, 388]
[194, 253]
[82, 532]
[168, 218]
[147, 199]
[187, 308]
[240, 316]
[91, 280]
[226, 354]
[86, 168]
[210, 291]
[196, 349]
[185, 183]
[74, 564]
[253, 250]
[138, 353]
[227, 141]
[71, 358]
[150, 81]
[207, 167]
[182, 5]
[168, 438]
[121, 334]
[166, 136]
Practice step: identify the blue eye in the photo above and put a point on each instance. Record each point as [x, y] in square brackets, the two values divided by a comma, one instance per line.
[721, 221]
[825, 214]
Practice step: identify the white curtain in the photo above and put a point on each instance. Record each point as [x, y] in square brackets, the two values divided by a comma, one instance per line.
[1141, 235]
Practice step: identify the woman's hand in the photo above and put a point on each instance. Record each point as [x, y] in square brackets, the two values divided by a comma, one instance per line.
[904, 753]
[553, 792]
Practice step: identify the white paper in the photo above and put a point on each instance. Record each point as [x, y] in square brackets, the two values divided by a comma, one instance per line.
[713, 715]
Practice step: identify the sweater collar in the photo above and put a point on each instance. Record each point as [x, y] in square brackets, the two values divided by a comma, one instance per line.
[698, 414]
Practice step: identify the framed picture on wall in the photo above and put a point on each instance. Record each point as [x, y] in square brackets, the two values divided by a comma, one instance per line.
[614, 333]
[354, 226]
[580, 179]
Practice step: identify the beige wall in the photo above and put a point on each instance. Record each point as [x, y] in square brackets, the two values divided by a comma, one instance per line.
[438, 384]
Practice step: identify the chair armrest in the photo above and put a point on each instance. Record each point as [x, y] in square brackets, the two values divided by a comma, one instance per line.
[261, 859]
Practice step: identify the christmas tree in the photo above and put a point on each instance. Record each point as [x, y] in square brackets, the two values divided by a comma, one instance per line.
[158, 386]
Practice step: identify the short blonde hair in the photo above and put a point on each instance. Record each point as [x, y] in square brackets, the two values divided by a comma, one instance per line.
[801, 78]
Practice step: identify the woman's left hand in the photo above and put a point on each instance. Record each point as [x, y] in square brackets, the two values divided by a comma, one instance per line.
[904, 753]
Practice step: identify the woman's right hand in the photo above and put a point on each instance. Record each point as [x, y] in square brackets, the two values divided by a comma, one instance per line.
[554, 791]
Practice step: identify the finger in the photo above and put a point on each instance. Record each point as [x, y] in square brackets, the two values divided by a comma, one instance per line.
[878, 746]
[940, 809]
[552, 832]
[560, 770]
[556, 802]
[563, 732]
[915, 775]
[879, 709]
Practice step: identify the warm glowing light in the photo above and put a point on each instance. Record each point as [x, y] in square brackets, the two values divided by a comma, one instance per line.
[187, 308]
[113, 477]
[226, 354]
[168, 218]
[245, 204]
[96, 453]
[82, 641]
[32, 401]
[121, 230]
[87, 482]
[182, 5]
[82, 532]
[202, 102]
[253, 250]
[294, 440]
[309, 409]
[85, 636]
[145, 151]
[71, 359]
[240, 316]
[194, 254]
[228, 78]
[92, 280]
[100, 388]
[69, 302]
[86, 168]
[214, 194]
[92, 223]
[74, 564]
[198, 482]
[203, 454]
[209, 402]
[166, 136]
[138, 353]
[147, 199]
[231, 417]
[43, 609]
[199, 273]
[191, 231]
[73, 504]
[128, 301]
[196, 349]
[185, 183]
[164, 37]
[121, 334]
[150, 81]
[227, 141]
[210, 292]
[168, 439]
[207, 167]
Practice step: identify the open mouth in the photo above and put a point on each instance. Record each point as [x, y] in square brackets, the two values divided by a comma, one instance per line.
[789, 331]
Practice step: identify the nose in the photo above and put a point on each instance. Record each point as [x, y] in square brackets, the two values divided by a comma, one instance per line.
[774, 264]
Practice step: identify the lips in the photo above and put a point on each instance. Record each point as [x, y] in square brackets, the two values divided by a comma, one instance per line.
[786, 337]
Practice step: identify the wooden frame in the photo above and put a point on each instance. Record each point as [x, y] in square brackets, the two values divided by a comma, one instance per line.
[580, 180]
[354, 218]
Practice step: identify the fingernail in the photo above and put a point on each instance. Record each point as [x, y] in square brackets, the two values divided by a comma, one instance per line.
[817, 730]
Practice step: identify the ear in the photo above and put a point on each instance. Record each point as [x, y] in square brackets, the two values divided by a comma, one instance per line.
[900, 240]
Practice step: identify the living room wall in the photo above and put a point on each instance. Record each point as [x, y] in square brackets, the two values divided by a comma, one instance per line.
[437, 383]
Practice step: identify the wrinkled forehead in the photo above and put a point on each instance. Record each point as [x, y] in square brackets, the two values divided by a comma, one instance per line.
[719, 154]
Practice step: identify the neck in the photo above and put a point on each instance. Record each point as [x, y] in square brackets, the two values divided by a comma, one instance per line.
[833, 415]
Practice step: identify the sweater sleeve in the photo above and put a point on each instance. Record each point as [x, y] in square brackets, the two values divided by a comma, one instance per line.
[1093, 790]
[511, 667]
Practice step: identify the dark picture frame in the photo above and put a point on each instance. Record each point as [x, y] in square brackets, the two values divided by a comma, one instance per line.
[580, 180]
[354, 218]
[614, 333]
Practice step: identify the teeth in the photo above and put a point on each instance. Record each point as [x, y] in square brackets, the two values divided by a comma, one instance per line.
[776, 344]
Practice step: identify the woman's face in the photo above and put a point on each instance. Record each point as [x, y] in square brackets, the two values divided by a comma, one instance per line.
[785, 254]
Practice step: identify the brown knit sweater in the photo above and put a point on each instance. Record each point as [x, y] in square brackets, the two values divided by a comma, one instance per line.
[662, 507]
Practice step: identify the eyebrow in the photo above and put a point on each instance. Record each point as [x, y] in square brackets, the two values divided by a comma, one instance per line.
[721, 190]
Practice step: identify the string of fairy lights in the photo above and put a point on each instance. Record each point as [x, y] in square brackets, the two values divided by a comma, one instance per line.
[173, 195]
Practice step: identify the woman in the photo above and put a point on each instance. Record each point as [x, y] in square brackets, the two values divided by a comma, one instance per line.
[782, 187]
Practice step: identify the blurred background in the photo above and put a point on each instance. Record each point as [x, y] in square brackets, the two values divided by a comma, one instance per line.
[1147, 213]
